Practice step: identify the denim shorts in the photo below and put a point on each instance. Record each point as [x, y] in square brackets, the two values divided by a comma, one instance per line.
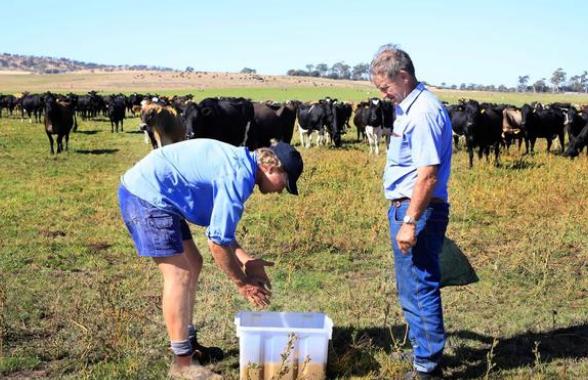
[155, 232]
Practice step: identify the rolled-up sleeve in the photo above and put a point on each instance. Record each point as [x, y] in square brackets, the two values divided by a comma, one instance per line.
[230, 193]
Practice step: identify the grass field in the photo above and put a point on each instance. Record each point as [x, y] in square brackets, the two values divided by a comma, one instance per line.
[76, 302]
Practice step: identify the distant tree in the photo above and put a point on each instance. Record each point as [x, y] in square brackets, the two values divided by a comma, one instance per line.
[189, 69]
[502, 88]
[247, 70]
[523, 80]
[443, 84]
[309, 68]
[558, 77]
[462, 86]
[322, 68]
[360, 71]
[575, 83]
[540, 86]
[454, 87]
[584, 81]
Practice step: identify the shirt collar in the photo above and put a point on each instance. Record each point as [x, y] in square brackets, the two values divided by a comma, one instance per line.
[405, 104]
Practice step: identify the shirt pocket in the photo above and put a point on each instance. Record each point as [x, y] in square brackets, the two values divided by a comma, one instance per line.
[399, 150]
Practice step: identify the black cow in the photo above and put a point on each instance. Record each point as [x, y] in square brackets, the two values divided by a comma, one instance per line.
[388, 117]
[458, 122]
[577, 125]
[313, 118]
[116, 112]
[540, 122]
[224, 119]
[483, 129]
[59, 120]
[272, 121]
[8, 102]
[32, 104]
[341, 113]
[368, 121]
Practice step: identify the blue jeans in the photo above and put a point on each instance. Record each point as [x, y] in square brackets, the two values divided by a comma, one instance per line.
[417, 282]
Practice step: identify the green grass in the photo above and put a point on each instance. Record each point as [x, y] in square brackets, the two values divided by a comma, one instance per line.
[76, 302]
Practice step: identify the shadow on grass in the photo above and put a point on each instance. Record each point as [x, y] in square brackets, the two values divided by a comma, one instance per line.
[351, 349]
[96, 151]
[518, 351]
[520, 164]
[135, 132]
[92, 132]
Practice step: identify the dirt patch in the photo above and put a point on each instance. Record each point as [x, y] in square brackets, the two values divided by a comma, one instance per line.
[156, 81]
[52, 234]
[99, 246]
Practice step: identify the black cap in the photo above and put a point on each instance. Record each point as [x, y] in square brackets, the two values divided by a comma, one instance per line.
[291, 163]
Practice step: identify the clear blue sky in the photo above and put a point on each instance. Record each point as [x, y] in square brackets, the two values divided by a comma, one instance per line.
[486, 42]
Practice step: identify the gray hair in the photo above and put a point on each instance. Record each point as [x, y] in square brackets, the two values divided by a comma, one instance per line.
[389, 60]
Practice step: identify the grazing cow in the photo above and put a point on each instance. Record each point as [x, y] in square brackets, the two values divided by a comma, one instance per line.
[577, 125]
[483, 129]
[512, 128]
[59, 120]
[272, 121]
[312, 118]
[540, 122]
[116, 112]
[162, 124]
[224, 119]
[32, 104]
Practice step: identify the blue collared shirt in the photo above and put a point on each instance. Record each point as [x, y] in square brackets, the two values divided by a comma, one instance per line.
[421, 137]
[205, 181]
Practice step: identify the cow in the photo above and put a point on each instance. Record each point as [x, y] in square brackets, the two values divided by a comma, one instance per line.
[341, 113]
[458, 122]
[483, 129]
[577, 126]
[312, 118]
[512, 128]
[116, 112]
[542, 122]
[223, 119]
[32, 104]
[388, 117]
[161, 124]
[373, 130]
[133, 103]
[360, 119]
[272, 121]
[8, 102]
[59, 119]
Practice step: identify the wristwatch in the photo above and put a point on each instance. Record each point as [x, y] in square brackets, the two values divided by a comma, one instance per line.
[409, 220]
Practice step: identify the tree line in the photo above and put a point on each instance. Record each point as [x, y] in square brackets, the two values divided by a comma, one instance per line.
[339, 70]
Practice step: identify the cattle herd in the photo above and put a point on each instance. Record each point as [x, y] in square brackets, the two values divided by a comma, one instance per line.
[484, 126]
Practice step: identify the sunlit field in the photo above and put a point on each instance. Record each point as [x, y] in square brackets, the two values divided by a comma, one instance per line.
[76, 302]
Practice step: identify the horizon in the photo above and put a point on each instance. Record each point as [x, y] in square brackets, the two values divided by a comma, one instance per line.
[451, 43]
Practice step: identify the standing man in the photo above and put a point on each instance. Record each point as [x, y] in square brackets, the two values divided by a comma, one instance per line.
[415, 182]
[205, 182]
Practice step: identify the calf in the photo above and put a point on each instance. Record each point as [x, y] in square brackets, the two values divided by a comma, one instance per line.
[162, 124]
[59, 119]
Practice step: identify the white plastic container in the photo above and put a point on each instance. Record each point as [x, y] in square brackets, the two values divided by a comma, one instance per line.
[284, 346]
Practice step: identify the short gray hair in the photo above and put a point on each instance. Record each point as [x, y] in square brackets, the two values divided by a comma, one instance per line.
[389, 60]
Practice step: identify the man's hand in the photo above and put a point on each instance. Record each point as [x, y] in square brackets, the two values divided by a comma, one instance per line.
[255, 272]
[256, 294]
[406, 237]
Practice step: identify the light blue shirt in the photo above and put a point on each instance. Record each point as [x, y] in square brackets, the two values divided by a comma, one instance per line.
[205, 181]
[422, 137]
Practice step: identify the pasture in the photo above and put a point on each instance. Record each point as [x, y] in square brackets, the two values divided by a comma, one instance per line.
[76, 302]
